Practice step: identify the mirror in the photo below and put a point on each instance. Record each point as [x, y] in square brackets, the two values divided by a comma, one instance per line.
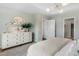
[69, 28]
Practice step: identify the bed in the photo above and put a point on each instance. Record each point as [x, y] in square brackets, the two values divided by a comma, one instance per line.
[52, 47]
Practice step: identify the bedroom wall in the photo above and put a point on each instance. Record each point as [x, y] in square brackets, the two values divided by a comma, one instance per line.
[38, 28]
[60, 23]
[6, 15]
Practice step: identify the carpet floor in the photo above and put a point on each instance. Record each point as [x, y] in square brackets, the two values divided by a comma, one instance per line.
[16, 51]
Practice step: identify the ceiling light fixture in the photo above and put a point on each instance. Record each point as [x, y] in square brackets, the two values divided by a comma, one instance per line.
[48, 9]
[64, 4]
[61, 11]
[57, 7]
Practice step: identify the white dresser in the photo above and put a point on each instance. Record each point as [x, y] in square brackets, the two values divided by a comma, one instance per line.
[15, 38]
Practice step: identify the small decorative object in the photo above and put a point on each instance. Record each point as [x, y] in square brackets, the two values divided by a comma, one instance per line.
[18, 20]
[27, 26]
[15, 23]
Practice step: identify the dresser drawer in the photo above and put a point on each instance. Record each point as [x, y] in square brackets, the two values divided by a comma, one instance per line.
[14, 39]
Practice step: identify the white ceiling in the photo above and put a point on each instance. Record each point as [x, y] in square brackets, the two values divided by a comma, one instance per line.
[36, 7]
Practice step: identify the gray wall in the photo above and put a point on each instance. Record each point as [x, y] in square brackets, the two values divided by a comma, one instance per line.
[59, 30]
[60, 23]
[7, 14]
[38, 28]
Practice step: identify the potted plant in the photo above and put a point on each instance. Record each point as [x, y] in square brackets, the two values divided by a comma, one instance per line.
[26, 26]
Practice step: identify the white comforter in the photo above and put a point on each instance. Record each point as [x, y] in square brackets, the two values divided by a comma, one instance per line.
[50, 47]
[69, 49]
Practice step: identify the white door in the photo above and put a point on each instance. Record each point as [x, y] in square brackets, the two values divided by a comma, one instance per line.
[49, 29]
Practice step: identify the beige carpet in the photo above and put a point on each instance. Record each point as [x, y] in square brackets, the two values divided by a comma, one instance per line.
[16, 51]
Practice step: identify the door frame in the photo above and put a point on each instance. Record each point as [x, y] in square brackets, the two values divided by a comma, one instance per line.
[64, 23]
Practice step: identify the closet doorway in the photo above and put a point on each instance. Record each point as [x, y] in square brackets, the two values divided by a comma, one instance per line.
[69, 28]
[48, 29]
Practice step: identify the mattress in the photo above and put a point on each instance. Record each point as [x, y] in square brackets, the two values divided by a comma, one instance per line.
[47, 47]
